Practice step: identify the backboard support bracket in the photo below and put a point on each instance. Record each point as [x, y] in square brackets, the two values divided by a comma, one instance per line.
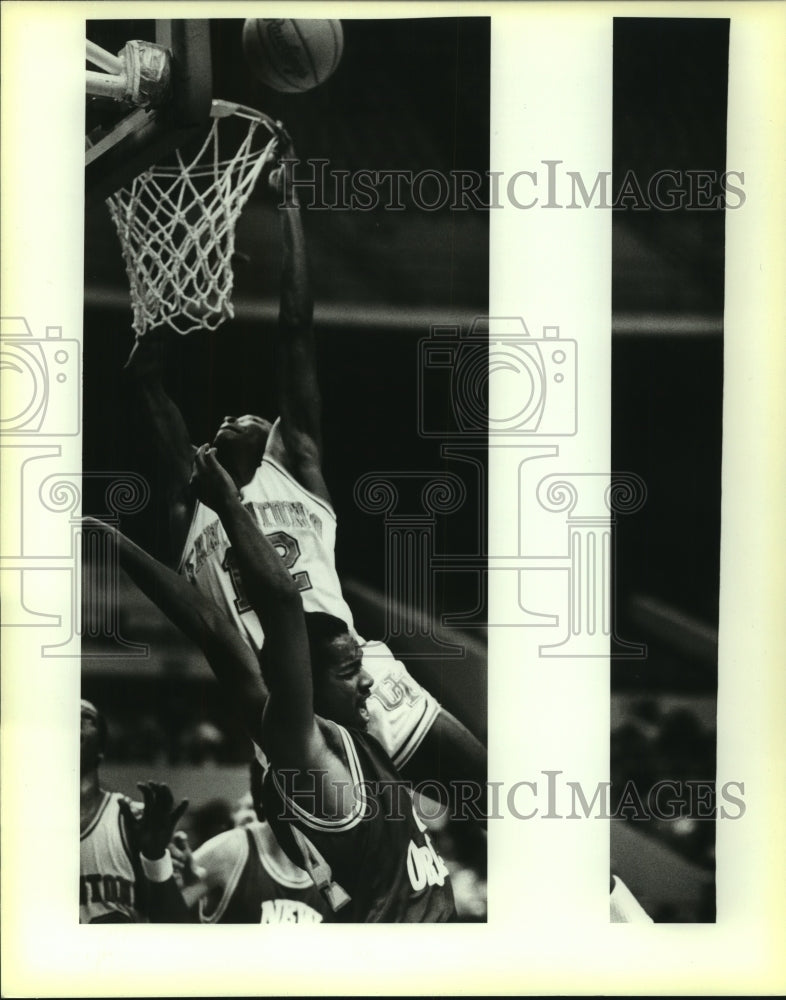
[145, 136]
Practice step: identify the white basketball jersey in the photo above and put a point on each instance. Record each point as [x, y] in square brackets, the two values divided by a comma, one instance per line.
[107, 881]
[300, 525]
[401, 711]
[624, 907]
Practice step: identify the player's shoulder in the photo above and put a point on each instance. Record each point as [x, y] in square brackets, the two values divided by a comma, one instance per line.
[334, 735]
[624, 907]
[303, 468]
[221, 853]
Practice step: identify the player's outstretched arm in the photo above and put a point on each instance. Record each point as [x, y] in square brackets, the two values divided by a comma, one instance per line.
[149, 835]
[274, 596]
[232, 661]
[452, 756]
[298, 385]
[291, 735]
[167, 429]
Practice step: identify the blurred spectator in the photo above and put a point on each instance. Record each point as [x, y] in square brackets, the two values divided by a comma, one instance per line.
[206, 821]
[202, 742]
[650, 743]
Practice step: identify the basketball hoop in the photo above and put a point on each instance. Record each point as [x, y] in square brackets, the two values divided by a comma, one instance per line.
[176, 224]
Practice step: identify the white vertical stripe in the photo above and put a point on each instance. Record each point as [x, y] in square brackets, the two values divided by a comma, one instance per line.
[551, 100]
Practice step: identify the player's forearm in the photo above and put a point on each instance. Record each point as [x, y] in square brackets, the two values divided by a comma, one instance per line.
[296, 311]
[233, 663]
[452, 757]
[165, 903]
[167, 430]
[179, 601]
[298, 387]
[145, 372]
[276, 600]
[267, 582]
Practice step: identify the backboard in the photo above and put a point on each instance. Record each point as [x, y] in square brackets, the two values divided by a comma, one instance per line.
[121, 139]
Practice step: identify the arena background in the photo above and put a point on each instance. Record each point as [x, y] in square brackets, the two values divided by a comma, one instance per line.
[380, 279]
[670, 98]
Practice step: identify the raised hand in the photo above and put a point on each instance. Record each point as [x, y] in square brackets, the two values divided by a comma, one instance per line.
[146, 360]
[281, 176]
[210, 481]
[187, 872]
[151, 831]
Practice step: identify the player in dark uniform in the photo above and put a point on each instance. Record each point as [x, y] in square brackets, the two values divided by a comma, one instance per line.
[247, 879]
[342, 823]
[359, 815]
[242, 876]
[328, 786]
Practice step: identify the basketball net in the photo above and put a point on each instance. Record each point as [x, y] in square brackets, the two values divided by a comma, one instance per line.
[176, 224]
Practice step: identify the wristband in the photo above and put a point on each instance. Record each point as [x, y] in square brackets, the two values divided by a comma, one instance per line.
[160, 870]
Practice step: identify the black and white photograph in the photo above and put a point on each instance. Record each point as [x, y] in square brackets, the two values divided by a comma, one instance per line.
[670, 86]
[356, 268]
[391, 447]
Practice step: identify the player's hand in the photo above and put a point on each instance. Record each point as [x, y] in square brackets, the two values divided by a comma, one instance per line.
[187, 872]
[151, 832]
[210, 481]
[146, 360]
[281, 178]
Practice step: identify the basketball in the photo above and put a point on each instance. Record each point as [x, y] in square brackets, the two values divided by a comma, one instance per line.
[292, 56]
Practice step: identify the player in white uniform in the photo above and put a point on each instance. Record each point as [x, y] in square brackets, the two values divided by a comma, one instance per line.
[114, 863]
[109, 875]
[624, 908]
[277, 471]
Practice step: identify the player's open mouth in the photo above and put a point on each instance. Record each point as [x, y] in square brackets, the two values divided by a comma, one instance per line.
[363, 711]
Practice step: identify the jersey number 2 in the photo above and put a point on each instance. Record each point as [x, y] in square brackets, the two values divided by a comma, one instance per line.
[289, 550]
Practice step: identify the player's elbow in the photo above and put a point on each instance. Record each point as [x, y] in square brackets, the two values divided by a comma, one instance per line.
[272, 594]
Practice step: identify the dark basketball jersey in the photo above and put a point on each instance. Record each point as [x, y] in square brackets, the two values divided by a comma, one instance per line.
[261, 885]
[380, 854]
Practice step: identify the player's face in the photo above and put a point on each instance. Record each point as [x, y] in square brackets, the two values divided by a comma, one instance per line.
[342, 684]
[242, 436]
[89, 737]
